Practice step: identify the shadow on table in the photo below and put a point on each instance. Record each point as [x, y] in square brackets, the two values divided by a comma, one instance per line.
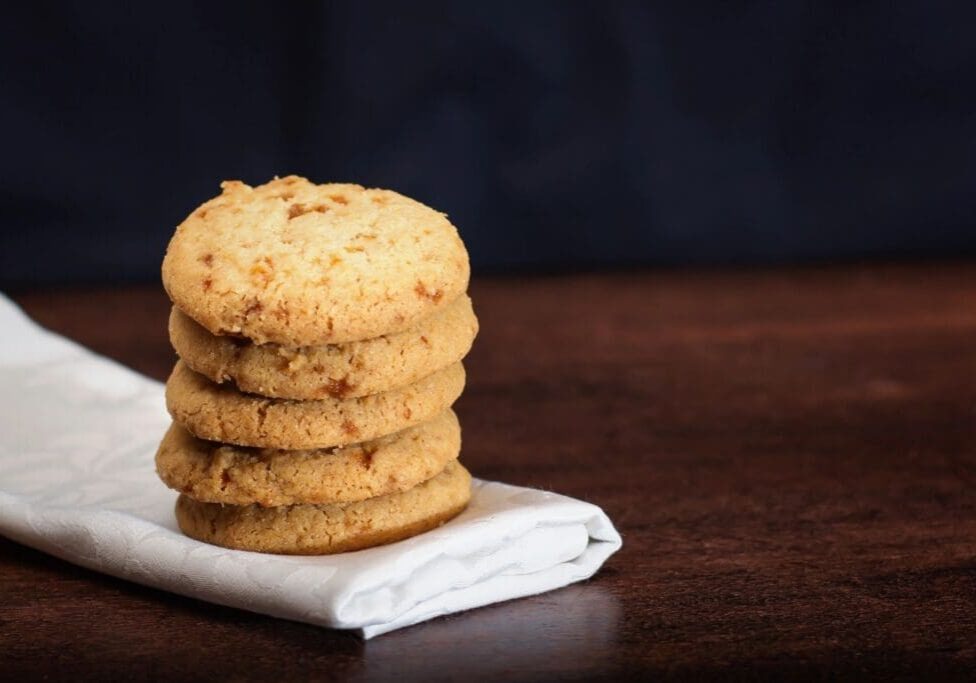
[572, 629]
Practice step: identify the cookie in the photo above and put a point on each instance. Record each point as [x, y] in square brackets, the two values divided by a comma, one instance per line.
[219, 473]
[219, 412]
[345, 370]
[301, 264]
[325, 529]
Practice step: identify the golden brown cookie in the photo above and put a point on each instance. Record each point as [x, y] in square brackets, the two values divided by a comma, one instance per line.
[325, 529]
[301, 264]
[345, 370]
[219, 412]
[218, 473]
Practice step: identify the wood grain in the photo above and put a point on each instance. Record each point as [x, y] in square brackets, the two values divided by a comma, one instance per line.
[790, 456]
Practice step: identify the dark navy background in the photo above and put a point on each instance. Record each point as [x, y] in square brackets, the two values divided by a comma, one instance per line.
[557, 135]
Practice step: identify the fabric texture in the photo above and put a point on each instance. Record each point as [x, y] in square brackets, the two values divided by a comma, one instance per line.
[77, 437]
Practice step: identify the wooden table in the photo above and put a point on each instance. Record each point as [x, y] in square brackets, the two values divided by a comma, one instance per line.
[790, 456]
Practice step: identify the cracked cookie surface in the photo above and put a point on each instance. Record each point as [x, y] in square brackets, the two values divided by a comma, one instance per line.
[212, 472]
[301, 264]
[220, 412]
[323, 529]
[340, 371]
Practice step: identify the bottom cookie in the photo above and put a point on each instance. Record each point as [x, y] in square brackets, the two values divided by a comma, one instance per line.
[326, 529]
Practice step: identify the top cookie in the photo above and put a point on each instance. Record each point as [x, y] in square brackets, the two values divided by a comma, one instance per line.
[295, 263]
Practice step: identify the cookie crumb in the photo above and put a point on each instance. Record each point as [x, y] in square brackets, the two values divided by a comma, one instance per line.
[281, 312]
[338, 388]
[350, 428]
[421, 289]
[367, 455]
[261, 271]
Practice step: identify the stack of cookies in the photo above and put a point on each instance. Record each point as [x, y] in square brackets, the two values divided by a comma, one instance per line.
[320, 330]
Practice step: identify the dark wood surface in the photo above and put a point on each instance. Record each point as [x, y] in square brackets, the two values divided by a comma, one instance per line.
[790, 456]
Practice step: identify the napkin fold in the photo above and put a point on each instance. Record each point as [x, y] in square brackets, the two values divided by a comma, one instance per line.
[78, 433]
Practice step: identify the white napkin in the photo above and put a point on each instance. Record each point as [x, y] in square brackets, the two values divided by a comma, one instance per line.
[78, 433]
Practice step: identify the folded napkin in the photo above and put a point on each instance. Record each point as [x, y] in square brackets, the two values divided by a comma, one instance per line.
[78, 433]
